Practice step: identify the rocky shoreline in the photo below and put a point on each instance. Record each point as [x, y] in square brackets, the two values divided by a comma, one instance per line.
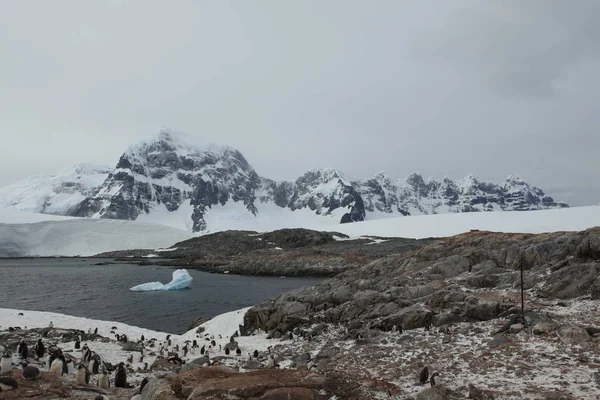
[451, 305]
[285, 252]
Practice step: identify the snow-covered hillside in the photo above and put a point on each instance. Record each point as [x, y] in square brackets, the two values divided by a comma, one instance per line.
[55, 193]
[441, 225]
[177, 181]
[25, 234]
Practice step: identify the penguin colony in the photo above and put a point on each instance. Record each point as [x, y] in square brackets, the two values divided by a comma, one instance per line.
[91, 369]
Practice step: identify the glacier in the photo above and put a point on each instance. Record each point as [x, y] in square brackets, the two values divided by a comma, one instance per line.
[181, 280]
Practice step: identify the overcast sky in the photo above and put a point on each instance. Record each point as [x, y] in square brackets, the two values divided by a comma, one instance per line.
[440, 87]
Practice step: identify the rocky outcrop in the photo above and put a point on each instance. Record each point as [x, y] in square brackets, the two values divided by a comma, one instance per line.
[285, 252]
[265, 384]
[444, 282]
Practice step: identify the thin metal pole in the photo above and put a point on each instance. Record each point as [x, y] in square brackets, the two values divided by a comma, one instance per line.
[522, 295]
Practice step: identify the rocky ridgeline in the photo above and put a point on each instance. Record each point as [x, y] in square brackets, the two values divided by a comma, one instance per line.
[285, 252]
[445, 282]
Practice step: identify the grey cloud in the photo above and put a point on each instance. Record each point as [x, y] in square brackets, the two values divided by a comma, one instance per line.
[445, 88]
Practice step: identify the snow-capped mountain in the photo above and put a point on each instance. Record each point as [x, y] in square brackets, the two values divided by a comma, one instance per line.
[55, 193]
[174, 180]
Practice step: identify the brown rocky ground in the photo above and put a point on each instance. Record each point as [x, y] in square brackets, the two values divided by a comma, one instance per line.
[285, 252]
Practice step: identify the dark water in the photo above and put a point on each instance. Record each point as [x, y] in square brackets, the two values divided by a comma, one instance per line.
[77, 287]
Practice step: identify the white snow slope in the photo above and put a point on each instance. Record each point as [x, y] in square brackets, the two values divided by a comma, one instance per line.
[441, 225]
[78, 236]
[54, 193]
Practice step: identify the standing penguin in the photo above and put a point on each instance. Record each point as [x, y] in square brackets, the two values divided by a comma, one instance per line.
[6, 363]
[58, 364]
[238, 351]
[83, 375]
[227, 351]
[51, 325]
[271, 362]
[23, 350]
[77, 344]
[255, 353]
[40, 349]
[424, 376]
[202, 350]
[432, 379]
[103, 380]
[121, 376]
[96, 331]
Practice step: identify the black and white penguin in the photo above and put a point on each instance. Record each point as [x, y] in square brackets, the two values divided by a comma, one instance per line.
[184, 349]
[432, 379]
[83, 375]
[23, 350]
[130, 359]
[77, 344]
[424, 376]
[271, 362]
[213, 343]
[7, 383]
[103, 380]
[290, 336]
[51, 325]
[232, 339]
[255, 354]
[40, 349]
[57, 365]
[86, 354]
[30, 373]
[202, 350]
[121, 376]
[6, 363]
[144, 383]
[238, 351]
[226, 351]
[96, 331]
[142, 338]
[114, 328]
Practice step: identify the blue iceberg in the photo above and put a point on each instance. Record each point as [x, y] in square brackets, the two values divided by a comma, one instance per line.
[181, 280]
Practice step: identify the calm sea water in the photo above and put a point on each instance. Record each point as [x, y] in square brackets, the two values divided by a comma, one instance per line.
[77, 287]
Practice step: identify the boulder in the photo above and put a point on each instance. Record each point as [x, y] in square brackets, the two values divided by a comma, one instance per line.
[158, 389]
[197, 322]
[573, 335]
[544, 328]
[438, 392]
[479, 394]
[498, 340]
[451, 266]
[516, 328]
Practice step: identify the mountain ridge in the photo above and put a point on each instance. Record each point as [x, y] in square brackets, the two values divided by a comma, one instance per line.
[179, 173]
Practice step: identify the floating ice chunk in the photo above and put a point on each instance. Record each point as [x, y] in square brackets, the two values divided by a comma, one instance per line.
[181, 280]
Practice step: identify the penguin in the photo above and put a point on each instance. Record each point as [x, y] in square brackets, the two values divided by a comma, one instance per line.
[213, 343]
[141, 359]
[83, 375]
[93, 366]
[77, 344]
[184, 349]
[21, 314]
[238, 351]
[219, 347]
[7, 383]
[226, 351]
[270, 348]
[121, 376]
[114, 328]
[30, 373]
[86, 354]
[291, 336]
[69, 369]
[270, 362]
[40, 349]
[249, 357]
[145, 368]
[255, 353]
[144, 383]
[51, 325]
[202, 350]
[103, 380]
[424, 376]
[142, 338]
[56, 367]
[96, 331]
[130, 359]
[232, 339]
[432, 379]
[6, 363]
[23, 350]
[89, 331]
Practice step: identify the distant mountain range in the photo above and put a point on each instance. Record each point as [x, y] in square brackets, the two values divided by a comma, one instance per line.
[173, 176]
